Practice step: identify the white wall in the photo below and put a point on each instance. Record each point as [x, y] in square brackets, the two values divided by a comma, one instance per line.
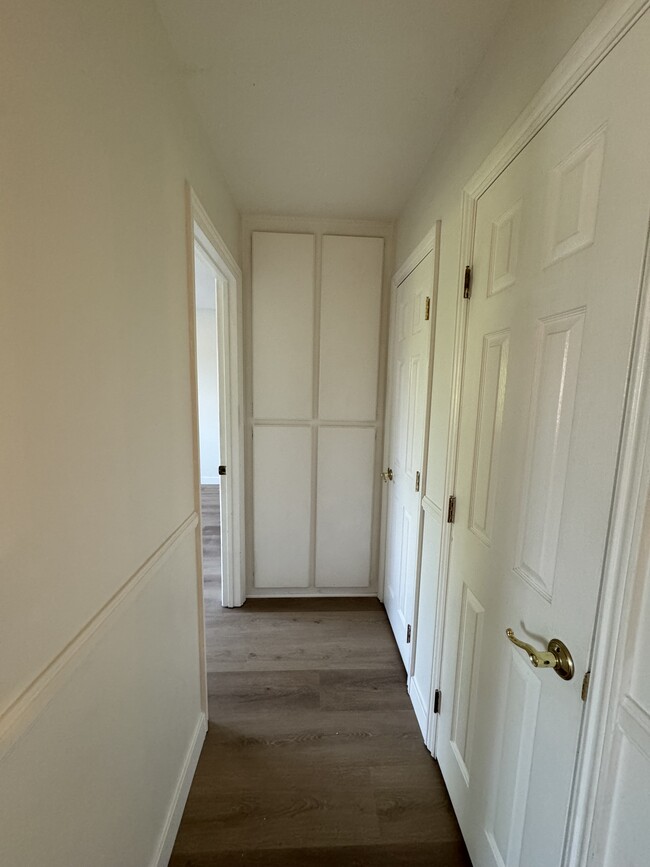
[207, 372]
[534, 36]
[96, 460]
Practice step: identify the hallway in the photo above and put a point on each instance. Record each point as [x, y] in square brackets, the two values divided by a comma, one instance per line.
[313, 755]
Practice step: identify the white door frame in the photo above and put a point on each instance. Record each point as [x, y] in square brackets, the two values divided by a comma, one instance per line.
[430, 243]
[607, 28]
[200, 230]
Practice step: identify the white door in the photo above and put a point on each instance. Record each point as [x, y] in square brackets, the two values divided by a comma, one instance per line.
[558, 249]
[409, 377]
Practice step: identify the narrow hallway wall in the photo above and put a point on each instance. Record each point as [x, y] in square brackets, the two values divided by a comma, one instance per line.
[99, 670]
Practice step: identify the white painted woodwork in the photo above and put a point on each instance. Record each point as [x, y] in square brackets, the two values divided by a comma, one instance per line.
[317, 312]
[226, 296]
[508, 733]
[410, 342]
[467, 669]
[350, 317]
[344, 506]
[282, 505]
[419, 685]
[618, 770]
[283, 330]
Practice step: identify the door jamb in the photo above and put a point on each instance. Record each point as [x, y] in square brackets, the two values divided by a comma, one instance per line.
[200, 230]
[607, 28]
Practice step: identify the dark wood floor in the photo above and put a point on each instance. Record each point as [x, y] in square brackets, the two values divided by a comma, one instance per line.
[313, 756]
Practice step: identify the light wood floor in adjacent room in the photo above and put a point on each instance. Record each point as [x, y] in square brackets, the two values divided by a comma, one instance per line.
[313, 755]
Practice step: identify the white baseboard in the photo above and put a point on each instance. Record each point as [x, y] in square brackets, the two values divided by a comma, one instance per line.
[168, 836]
[419, 707]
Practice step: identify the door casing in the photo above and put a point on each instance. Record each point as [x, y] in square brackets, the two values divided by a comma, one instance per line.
[200, 230]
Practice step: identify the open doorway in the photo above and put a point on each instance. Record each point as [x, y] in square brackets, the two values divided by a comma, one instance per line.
[206, 287]
[215, 318]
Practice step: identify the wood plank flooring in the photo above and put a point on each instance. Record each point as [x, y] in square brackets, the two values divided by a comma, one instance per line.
[313, 756]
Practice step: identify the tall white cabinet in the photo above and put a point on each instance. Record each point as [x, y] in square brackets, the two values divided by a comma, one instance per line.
[316, 328]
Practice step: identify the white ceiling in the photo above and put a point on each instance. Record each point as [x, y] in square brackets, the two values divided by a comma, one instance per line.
[326, 107]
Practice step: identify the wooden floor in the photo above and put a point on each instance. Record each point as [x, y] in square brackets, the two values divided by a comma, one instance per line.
[313, 755]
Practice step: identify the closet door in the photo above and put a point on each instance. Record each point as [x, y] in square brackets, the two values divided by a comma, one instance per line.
[315, 352]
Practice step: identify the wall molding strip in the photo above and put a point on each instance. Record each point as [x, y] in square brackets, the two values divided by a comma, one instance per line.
[20, 715]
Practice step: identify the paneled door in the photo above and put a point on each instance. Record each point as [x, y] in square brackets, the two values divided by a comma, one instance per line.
[409, 377]
[558, 251]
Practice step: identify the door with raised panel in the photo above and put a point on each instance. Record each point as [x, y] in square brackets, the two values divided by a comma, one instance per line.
[558, 248]
[409, 376]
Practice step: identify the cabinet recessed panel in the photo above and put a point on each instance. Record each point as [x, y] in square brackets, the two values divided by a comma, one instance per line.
[283, 325]
[282, 505]
[349, 334]
[346, 458]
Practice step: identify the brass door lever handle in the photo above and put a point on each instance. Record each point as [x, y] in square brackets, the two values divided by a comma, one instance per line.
[387, 475]
[557, 656]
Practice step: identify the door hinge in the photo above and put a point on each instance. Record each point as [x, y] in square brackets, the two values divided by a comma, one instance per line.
[467, 283]
[408, 634]
[222, 470]
[585, 686]
[427, 308]
[417, 481]
[437, 698]
[451, 510]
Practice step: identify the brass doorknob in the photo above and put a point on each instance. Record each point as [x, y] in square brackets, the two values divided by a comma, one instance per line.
[387, 475]
[556, 656]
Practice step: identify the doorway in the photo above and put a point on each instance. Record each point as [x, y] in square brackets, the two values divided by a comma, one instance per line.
[206, 282]
[216, 364]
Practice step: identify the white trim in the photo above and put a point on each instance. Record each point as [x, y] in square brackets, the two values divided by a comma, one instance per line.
[179, 799]
[426, 246]
[230, 348]
[24, 710]
[309, 592]
[419, 705]
[620, 572]
[607, 28]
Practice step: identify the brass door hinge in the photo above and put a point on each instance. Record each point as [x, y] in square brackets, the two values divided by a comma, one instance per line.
[467, 283]
[437, 699]
[585, 686]
[427, 308]
[451, 510]
[417, 481]
[408, 634]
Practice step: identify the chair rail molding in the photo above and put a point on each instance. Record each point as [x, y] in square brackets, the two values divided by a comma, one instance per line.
[17, 718]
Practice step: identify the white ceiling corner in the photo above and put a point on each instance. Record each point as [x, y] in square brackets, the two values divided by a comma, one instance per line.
[326, 107]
